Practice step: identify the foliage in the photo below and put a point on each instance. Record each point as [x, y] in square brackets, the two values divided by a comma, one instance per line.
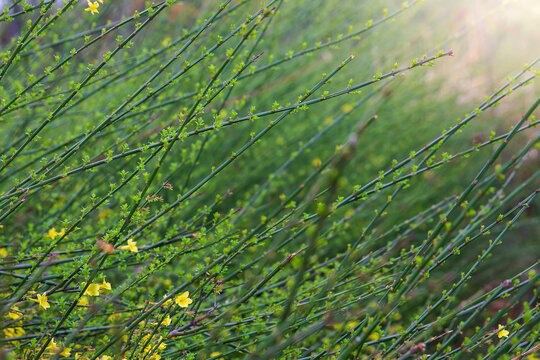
[205, 180]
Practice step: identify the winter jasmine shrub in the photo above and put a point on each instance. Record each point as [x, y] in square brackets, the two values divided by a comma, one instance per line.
[284, 179]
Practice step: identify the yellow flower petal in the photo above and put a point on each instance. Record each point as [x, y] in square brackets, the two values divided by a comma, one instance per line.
[53, 234]
[66, 352]
[52, 346]
[131, 246]
[502, 332]
[92, 7]
[83, 301]
[15, 314]
[13, 332]
[92, 290]
[42, 301]
[183, 300]
[106, 285]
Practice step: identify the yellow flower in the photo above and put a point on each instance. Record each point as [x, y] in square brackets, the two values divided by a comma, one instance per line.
[502, 332]
[66, 352]
[3, 252]
[106, 285]
[347, 108]
[105, 357]
[9, 333]
[167, 321]
[215, 353]
[13, 332]
[131, 246]
[52, 346]
[15, 314]
[92, 290]
[52, 233]
[83, 301]
[42, 301]
[92, 7]
[183, 300]
[103, 214]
